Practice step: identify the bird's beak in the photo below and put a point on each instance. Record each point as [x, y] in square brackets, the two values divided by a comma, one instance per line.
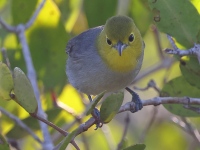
[120, 47]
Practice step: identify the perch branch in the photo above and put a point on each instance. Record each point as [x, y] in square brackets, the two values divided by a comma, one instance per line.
[131, 105]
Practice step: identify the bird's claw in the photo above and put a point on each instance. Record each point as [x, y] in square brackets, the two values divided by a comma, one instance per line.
[136, 99]
[96, 115]
[138, 106]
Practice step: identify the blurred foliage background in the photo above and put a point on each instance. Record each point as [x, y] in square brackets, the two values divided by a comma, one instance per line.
[60, 20]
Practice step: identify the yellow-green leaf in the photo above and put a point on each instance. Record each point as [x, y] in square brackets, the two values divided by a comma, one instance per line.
[64, 143]
[110, 106]
[24, 92]
[190, 69]
[6, 82]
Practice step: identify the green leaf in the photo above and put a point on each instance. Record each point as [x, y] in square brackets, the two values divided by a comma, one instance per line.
[3, 143]
[6, 82]
[64, 143]
[22, 10]
[178, 18]
[110, 106]
[23, 91]
[136, 147]
[94, 103]
[179, 87]
[93, 7]
[190, 69]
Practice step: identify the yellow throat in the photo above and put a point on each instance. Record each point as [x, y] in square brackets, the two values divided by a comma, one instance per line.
[120, 29]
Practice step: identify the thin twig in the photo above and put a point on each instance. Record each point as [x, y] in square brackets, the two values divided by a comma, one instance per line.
[127, 121]
[21, 124]
[78, 119]
[193, 131]
[63, 132]
[32, 19]
[195, 109]
[5, 57]
[158, 43]
[192, 51]
[186, 126]
[151, 84]
[6, 26]
[172, 42]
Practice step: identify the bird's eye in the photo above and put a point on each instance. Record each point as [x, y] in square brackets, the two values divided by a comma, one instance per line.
[108, 41]
[131, 38]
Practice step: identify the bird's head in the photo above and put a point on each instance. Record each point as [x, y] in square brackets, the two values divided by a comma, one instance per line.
[120, 43]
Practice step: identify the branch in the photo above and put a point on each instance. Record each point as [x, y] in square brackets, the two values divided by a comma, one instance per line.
[151, 84]
[131, 105]
[21, 124]
[30, 22]
[6, 26]
[31, 73]
[176, 51]
[186, 126]
[193, 131]
[64, 133]
[27, 25]
[158, 42]
[195, 109]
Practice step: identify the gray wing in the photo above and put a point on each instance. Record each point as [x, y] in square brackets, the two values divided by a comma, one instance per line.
[81, 43]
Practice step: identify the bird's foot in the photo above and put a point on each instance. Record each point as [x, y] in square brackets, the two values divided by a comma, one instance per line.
[96, 114]
[136, 99]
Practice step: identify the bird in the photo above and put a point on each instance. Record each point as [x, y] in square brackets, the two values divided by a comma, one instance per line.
[106, 58]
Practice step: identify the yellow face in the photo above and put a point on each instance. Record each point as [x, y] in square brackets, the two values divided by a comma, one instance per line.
[120, 44]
